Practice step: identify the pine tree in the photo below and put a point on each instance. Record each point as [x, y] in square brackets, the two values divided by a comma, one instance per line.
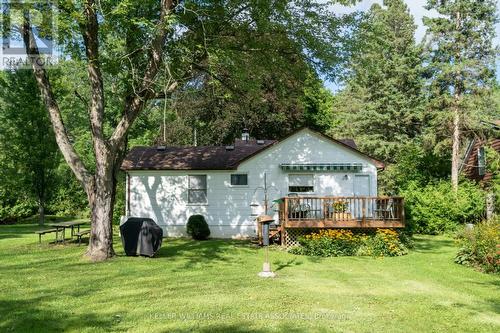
[381, 106]
[461, 61]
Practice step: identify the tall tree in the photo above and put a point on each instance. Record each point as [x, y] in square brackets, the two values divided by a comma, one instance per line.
[281, 103]
[461, 67]
[27, 142]
[381, 105]
[142, 50]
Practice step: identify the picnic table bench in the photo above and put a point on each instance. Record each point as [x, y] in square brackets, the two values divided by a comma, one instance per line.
[80, 234]
[61, 228]
[46, 231]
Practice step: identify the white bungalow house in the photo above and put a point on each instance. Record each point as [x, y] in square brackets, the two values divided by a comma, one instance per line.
[226, 183]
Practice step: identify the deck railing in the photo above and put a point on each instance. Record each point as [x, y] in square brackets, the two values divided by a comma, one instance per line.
[342, 209]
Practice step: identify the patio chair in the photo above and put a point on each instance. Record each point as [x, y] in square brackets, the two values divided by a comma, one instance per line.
[386, 212]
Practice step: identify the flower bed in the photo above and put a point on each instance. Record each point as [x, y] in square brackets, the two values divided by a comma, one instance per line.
[343, 242]
[480, 246]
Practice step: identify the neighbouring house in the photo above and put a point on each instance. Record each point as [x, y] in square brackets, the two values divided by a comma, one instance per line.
[229, 185]
[475, 163]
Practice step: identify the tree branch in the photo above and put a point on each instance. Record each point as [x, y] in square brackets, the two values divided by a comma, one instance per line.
[90, 31]
[135, 102]
[45, 87]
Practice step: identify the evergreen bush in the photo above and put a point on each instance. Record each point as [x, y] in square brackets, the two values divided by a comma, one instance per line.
[197, 227]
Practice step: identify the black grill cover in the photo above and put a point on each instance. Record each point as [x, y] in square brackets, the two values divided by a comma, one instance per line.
[140, 236]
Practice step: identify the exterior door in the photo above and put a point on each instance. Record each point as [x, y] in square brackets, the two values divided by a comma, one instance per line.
[362, 189]
[361, 185]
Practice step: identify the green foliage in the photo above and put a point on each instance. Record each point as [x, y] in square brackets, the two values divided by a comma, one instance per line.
[460, 66]
[257, 66]
[414, 165]
[480, 246]
[381, 106]
[233, 63]
[14, 210]
[493, 167]
[119, 208]
[340, 206]
[385, 243]
[197, 227]
[436, 208]
[28, 150]
[69, 199]
[328, 243]
[341, 242]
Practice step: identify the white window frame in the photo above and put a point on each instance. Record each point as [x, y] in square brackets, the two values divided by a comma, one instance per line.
[302, 174]
[189, 189]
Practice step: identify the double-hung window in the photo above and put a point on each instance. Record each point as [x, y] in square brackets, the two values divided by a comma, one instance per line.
[197, 189]
[300, 183]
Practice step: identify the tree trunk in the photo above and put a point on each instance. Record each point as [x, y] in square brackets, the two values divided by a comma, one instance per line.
[490, 204]
[101, 194]
[101, 232]
[41, 212]
[455, 154]
[101, 186]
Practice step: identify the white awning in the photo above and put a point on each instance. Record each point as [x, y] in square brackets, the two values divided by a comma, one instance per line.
[353, 167]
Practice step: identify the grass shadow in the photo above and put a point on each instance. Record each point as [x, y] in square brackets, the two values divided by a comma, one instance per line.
[279, 265]
[424, 244]
[31, 315]
[205, 252]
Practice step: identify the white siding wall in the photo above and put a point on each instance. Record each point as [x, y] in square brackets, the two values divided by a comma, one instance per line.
[162, 195]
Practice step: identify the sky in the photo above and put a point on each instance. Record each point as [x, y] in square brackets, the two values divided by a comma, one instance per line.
[418, 11]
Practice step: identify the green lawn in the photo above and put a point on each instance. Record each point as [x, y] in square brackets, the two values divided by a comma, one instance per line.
[213, 286]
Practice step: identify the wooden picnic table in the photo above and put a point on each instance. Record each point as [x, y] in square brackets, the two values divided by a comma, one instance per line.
[70, 224]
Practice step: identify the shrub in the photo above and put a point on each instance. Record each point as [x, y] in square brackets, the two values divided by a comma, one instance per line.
[197, 227]
[480, 246]
[12, 212]
[385, 243]
[341, 242]
[435, 208]
[493, 167]
[329, 243]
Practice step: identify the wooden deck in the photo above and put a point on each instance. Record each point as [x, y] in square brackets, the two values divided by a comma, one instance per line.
[300, 214]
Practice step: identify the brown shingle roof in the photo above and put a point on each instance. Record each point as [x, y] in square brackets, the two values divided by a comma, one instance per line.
[210, 157]
[191, 158]
[349, 142]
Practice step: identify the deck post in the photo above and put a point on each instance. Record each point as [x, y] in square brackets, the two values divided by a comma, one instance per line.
[283, 221]
[403, 218]
[363, 218]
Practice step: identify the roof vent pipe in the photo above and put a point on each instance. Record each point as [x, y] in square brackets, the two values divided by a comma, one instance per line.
[245, 136]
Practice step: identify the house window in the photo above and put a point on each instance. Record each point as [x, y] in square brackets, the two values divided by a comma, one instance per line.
[239, 179]
[300, 183]
[481, 161]
[197, 189]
